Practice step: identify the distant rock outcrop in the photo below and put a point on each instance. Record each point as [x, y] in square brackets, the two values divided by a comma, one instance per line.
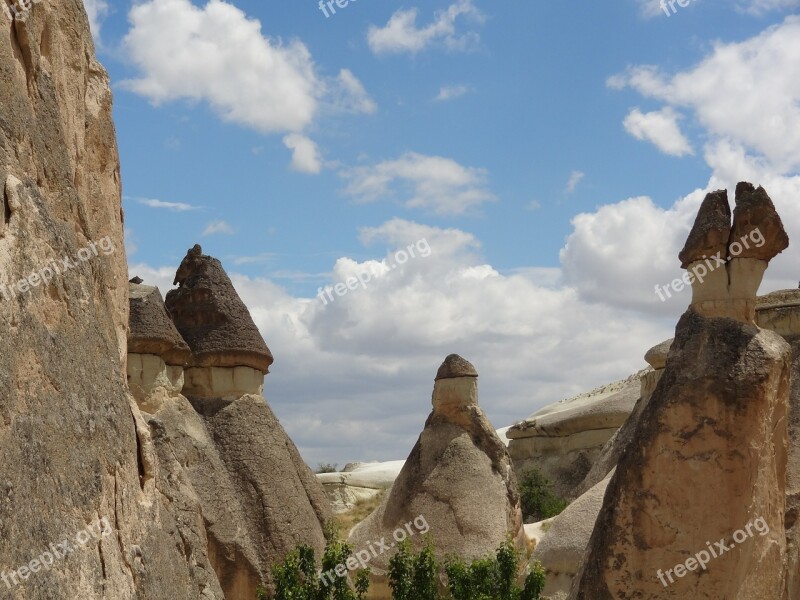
[220, 452]
[706, 468]
[358, 483]
[565, 439]
[458, 478]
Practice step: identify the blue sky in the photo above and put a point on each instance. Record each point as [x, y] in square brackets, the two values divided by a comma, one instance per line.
[553, 155]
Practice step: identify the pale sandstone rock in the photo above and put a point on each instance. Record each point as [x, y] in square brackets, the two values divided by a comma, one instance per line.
[565, 439]
[152, 381]
[358, 483]
[656, 357]
[780, 312]
[458, 478]
[71, 442]
[223, 383]
[561, 549]
[725, 389]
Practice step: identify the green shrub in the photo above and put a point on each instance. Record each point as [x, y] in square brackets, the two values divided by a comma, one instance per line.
[539, 502]
[416, 576]
[327, 468]
[493, 578]
[297, 578]
[412, 576]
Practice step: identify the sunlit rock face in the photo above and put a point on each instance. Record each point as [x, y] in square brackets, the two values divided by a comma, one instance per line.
[726, 261]
[458, 478]
[709, 458]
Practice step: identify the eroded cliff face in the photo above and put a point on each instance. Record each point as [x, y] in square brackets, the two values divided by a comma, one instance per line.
[74, 450]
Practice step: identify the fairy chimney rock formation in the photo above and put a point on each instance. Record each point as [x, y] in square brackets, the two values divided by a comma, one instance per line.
[458, 478]
[229, 356]
[156, 351]
[697, 505]
[726, 262]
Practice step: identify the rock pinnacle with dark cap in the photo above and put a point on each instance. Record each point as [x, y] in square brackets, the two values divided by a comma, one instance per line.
[212, 318]
[455, 366]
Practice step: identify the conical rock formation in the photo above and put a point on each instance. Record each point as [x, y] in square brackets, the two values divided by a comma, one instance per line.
[457, 480]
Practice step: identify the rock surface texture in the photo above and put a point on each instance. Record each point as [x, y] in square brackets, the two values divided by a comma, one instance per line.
[780, 312]
[725, 275]
[458, 478]
[707, 463]
[82, 462]
[254, 496]
[73, 446]
[565, 439]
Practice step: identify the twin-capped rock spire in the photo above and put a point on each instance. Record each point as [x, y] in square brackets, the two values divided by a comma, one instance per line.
[726, 261]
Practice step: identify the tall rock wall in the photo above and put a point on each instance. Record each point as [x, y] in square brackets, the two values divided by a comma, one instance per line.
[73, 449]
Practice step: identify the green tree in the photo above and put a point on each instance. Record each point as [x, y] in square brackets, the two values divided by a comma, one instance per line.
[539, 501]
[296, 578]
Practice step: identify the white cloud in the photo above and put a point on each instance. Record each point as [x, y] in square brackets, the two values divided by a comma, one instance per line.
[434, 183]
[171, 206]
[350, 95]
[760, 7]
[218, 55]
[305, 154]
[96, 10]
[401, 33]
[534, 205]
[661, 128]
[450, 92]
[218, 227]
[744, 92]
[574, 179]
[375, 350]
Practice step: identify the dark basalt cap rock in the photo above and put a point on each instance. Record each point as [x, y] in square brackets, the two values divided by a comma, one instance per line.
[151, 331]
[455, 366]
[711, 230]
[755, 221]
[212, 318]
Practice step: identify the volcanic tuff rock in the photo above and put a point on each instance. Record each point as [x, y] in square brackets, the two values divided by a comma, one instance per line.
[151, 329]
[562, 547]
[755, 212]
[564, 439]
[458, 477]
[715, 431]
[711, 231]
[223, 455]
[725, 284]
[73, 445]
[212, 318]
